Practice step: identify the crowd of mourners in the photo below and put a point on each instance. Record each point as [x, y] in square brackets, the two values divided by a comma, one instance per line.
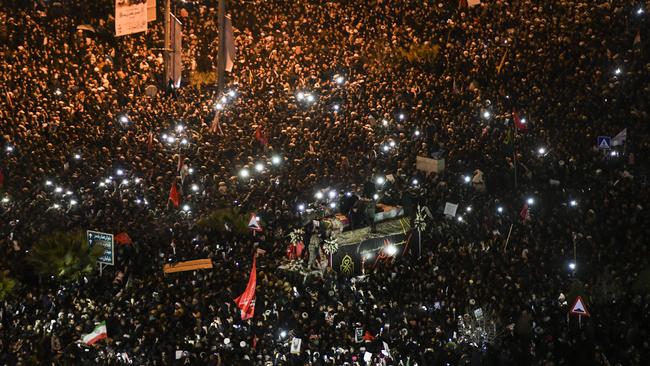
[343, 92]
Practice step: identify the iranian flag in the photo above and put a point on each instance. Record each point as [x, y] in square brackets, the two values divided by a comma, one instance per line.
[96, 335]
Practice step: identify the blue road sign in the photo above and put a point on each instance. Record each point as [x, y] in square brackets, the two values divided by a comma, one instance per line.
[604, 142]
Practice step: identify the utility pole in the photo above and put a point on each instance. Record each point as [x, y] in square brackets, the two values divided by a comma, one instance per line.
[221, 58]
[167, 46]
[514, 149]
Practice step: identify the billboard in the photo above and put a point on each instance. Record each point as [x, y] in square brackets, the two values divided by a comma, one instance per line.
[130, 16]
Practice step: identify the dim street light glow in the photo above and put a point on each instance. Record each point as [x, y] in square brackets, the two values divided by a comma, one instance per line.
[573, 203]
[319, 195]
[218, 106]
[10, 148]
[58, 189]
[468, 209]
[391, 143]
[56, 205]
[381, 180]
[77, 156]
[186, 208]
[244, 173]
[259, 167]
[231, 93]
[5, 199]
[195, 188]
[530, 201]
[310, 98]
[275, 160]
[541, 151]
[300, 96]
[336, 107]
[73, 202]
[184, 141]
[618, 71]
[500, 209]
[179, 128]
[384, 123]
[486, 114]
[375, 196]
[301, 207]
[386, 148]
[332, 205]
[467, 179]
[415, 182]
[125, 182]
[331, 194]
[119, 172]
[460, 219]
[401, 116]
[417, 132]
[48, 182]
[572, 266]
[339, 79]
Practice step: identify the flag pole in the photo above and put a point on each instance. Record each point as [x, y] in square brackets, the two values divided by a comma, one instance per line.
[505, 247]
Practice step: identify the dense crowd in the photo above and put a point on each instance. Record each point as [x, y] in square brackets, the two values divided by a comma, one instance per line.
[343, 92]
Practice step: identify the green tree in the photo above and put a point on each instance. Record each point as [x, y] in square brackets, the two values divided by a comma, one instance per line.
[225, 221]
[64, 255]
[7, 284]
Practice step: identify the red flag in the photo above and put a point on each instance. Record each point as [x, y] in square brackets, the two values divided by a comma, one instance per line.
[2, 179]
[368, 337]
[246, 301]
[260, 136]
[520, 123]
[150, 142]
[123, 238]
[637, 39]
[299, 248]
[524, 213]
[174, 195]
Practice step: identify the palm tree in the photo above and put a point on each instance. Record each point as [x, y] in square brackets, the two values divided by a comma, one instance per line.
[64, 255]
[225, 221]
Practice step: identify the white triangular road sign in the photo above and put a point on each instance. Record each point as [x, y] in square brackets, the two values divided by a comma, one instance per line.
[579, 307]
[254, 224]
